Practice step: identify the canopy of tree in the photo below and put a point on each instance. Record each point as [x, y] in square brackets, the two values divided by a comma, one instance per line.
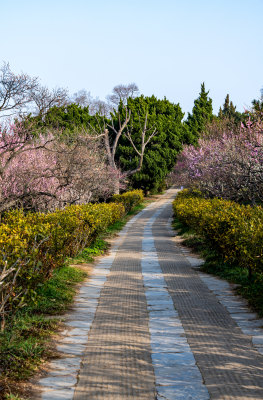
[163, 117]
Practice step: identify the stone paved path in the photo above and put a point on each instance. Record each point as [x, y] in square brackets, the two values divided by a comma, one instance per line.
[154, 329]
[231, 367]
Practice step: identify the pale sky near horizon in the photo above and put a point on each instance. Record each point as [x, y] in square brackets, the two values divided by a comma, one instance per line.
[168, 48]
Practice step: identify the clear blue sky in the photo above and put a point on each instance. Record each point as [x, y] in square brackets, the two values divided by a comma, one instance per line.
[167, 47]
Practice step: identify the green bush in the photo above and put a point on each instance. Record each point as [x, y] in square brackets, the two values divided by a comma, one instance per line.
[235, 230]
[129, 199]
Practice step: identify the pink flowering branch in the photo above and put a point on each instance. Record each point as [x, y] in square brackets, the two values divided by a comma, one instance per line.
[229, 165]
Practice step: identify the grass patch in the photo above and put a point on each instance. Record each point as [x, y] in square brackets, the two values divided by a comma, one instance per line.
[250, 289]
[22, 345]
[55, 295]
[87, 255]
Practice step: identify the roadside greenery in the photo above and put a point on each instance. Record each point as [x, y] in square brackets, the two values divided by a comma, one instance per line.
[227, 159]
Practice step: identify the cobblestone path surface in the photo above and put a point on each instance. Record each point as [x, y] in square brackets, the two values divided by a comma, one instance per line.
[158, 331]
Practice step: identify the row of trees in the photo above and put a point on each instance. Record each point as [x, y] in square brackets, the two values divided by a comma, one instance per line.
[64, 149]
[65, 152]
[202, 114]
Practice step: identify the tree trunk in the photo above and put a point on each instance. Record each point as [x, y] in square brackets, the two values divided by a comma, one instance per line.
[117, 187]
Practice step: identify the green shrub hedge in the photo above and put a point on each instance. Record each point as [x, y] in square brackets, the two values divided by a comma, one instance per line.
[129, 199]
[235, 230]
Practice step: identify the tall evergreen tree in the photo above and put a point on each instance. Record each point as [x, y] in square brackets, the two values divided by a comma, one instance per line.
[226, 106]
[202, 113]
[220, 113]
[229, 112]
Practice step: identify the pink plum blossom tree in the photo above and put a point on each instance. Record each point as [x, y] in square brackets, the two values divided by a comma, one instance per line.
[227, 165]
[46, 172]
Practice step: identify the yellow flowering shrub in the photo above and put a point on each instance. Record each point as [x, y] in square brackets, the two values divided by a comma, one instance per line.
[235, 230]
[129, 199]
[32, 245]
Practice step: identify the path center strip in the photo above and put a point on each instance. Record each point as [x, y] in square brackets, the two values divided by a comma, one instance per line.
[176, 373]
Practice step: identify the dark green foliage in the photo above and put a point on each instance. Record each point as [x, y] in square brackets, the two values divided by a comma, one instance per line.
[66, 118]
[202, 113]
[229, 112]
[257, 105]
[161, 151]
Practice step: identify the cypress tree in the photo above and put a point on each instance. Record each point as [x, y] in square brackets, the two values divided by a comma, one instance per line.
[220, 113]
[229, 112]
[202, 113]
[226, 106]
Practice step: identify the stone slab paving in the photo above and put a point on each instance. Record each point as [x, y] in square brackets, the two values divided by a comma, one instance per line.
[231, 366]
[176, 373]
[237, 308]
[148, 326]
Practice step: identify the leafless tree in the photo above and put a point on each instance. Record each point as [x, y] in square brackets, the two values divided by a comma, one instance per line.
[96, 106]
[104, 108]
[20, 94]
[15, 91]
[44, 99]
[111, 135]
[122, 93]
[82, 97]
[100, 107]
[147, 133]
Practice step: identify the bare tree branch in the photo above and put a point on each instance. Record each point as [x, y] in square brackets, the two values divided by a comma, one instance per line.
[15, 91]
[44, 99]
[122, 93]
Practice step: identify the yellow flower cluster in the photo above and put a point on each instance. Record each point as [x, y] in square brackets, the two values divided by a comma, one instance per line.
[32, 245]
[129, 199]
[235, 230]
